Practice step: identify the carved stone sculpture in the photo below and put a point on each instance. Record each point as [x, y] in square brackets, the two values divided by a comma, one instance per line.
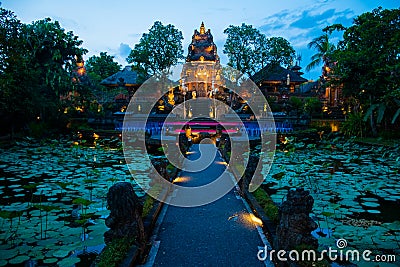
[295, 225]
[125, 219]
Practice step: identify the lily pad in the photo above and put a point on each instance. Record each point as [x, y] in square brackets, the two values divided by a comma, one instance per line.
[50, 260]
[371, 204]
[71, 261]
[19, 259]
[373, 211]
[394, 226]
[61, 253]
[8, 254]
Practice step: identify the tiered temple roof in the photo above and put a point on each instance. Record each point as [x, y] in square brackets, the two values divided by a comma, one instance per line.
[202, 47]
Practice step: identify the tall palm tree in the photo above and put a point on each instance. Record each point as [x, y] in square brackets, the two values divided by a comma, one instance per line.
[323, 47]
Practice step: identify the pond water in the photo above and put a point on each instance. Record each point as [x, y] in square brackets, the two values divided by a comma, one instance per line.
[52, 201]
[52, 196]
[356, 189]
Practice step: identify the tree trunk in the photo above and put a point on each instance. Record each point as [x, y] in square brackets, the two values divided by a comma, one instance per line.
[373, 126]
[372, 120]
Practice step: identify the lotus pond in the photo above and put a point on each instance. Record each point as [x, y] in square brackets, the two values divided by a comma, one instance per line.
[356, 190]
[52, 201]
[52, 196]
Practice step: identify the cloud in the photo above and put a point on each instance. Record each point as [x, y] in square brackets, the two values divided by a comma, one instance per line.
[308, 20]
[299, 27]
[67, 23]
[124, 50]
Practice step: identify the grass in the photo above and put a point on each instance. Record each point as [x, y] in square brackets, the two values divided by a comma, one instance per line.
[115, 252]
[147, 206]
[267, 204]
[149, 201]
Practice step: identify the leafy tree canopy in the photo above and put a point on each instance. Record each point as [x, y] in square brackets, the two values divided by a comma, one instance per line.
[36, 61]
[369, 55]
[249, 50]
[279, 51]
[101, 67]
[157, 50]
[243, 46]
[368, 64]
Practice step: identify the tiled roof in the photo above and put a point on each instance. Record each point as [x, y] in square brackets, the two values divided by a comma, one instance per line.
[276, 73]
[123, 77]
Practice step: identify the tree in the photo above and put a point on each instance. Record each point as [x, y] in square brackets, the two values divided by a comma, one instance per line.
[54, 52]
[17, 81]
[244, 46]
[369, 63]
[101, 67]
[36, 63]
[279, 51]
[98, 68]
[248, 50]
[157, 50]
[324, 49]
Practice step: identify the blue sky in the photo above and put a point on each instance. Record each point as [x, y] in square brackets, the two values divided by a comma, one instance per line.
[116, 26]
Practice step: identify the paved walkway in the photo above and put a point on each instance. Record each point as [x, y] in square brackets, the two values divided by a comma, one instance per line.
[217, 234]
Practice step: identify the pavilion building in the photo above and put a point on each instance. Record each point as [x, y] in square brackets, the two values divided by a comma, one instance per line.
[274, 79]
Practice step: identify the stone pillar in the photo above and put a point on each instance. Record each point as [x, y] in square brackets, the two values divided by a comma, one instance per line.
[295, 225]
[125, 219]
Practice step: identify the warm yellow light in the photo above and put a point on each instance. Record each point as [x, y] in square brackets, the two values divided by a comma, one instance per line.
[81, 71]
[188, 132]
[221, 163]
[171, 96]
[181, 179]
[334, 127]
[256, 220]
[249, 220]
[96, 136]
[190, 152]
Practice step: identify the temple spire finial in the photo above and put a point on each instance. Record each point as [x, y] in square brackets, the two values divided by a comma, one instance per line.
[202, 28]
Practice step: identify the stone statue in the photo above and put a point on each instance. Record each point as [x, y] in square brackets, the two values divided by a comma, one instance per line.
[125, 219]
[295, 225]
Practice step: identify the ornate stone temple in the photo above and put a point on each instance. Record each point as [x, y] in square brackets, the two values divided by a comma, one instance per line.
[202, 47]
[201, 75]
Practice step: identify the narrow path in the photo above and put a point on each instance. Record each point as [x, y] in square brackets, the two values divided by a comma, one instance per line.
[217, 234]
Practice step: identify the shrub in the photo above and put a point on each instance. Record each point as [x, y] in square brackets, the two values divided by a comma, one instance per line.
[354, 125]
[115, 252]
[267, 204]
